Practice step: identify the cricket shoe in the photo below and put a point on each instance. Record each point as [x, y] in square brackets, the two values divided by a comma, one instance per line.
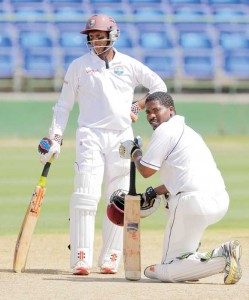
[110, 265]
[233, 272]
[150, 272]
[81, 268]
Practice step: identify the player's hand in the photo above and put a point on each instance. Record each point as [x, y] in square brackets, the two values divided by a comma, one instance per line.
[48, 148]
[149, 203]
[127, 148]
[135, 109]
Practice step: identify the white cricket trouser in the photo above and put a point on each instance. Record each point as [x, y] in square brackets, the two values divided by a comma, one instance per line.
[97, 158]
[189, 215]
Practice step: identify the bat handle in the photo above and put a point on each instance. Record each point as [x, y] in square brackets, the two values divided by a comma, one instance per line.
[43, 178]
[46, 169]
[132, 190]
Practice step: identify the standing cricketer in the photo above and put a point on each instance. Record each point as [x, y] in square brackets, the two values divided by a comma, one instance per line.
[103, 82]
[196, 194]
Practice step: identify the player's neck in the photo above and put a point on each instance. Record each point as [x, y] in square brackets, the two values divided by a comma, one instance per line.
[108, 55]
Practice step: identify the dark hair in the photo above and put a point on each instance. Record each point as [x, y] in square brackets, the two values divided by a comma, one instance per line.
[165, 99]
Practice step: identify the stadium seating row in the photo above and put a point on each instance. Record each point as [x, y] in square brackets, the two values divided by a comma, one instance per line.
[160, 13]
[179, 39]
[170, 2]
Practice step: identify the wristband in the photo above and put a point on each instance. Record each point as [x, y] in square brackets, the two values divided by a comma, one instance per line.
[134, 151]
[135, 107]
[58, 138]
[150, 193]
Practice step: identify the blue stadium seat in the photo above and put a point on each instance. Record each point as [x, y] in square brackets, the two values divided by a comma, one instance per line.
[72, 45]
[145, 1]
[108, 2]
[234, 39]
[7, 64]
[8, 54]
[195, 39]
[232, 14]
[177, 2]
[189, 14]
[226, 2]
[199, 66]
[39, 64]
[236, 64]
[71, 39]
[155, 40]
[68, 14]
[25, 1]
[67, 2]
[5, 39]
[31, 13]
[148, 14]
[35, 39]
[164, 66]
[117, 11]
[125, 39]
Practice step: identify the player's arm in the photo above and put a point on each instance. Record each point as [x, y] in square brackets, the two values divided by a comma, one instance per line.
[51, 146]
[151, 81]
[141, 102]
[143, 170]
[131, 150]
[161, 190]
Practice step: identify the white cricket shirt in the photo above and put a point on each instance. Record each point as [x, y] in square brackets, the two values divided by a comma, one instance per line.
[184, 160]
[104, 95]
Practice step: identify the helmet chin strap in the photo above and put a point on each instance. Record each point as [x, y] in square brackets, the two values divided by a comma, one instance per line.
[106, 47]
[106, 63]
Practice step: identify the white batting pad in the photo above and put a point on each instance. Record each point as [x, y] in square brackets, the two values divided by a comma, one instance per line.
[82, 221]
[112, 241]
[190, 268]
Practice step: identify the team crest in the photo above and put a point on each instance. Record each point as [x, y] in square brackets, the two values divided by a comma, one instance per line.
[119, 70]
[91, 23]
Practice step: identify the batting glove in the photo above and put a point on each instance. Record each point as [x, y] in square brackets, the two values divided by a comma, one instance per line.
[135, 109]
[48, 148]
[128, 148]
[149, 203]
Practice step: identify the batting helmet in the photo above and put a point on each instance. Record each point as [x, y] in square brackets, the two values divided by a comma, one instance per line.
[103, 23]
[115, 209]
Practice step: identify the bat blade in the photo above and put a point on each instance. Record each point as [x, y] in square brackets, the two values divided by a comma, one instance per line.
[27, 229]
[132, 255]
[29, 222]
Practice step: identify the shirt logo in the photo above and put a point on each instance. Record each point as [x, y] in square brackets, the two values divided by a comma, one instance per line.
[90, 70]
[119, 70]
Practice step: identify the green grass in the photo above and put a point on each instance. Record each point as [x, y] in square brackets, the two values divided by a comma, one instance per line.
[22, 124]
[32, 119]
[21, 170]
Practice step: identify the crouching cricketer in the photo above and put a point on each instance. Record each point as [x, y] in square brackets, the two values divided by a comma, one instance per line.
[196, 193]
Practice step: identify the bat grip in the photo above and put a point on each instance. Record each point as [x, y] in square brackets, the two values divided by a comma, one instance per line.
[46, 169]
[132, 189]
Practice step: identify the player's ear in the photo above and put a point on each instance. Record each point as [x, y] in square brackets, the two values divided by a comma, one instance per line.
[172, 111]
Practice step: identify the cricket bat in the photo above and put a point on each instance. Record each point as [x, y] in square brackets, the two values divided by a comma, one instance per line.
[132, 257]
[29, 223]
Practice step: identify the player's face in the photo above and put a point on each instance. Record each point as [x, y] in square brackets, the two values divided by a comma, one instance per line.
[99, 40]
[157, 113]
